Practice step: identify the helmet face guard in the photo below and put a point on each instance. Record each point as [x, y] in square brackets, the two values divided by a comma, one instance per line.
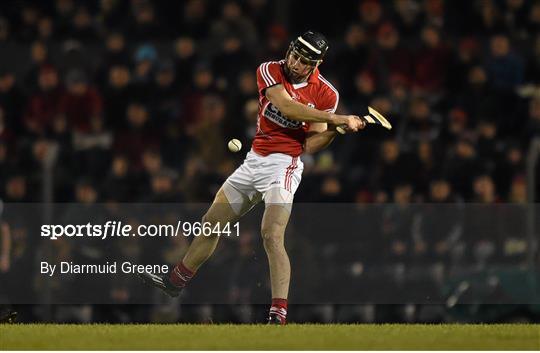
[305, 53]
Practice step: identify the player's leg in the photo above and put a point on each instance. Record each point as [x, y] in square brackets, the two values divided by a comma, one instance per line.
[230, 203]
[274, 222]
[283, 175]
[276, 217]
[222, 211]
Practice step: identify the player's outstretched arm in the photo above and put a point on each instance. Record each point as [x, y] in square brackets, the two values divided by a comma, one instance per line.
[279, 97]
[320, 136]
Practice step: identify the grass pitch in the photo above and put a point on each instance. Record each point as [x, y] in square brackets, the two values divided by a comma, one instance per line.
[258, 337]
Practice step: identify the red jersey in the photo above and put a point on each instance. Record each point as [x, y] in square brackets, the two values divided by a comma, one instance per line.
[275, 132]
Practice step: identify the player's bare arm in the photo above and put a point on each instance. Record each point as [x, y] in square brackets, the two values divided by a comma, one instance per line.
[279, 97]
[320, 136]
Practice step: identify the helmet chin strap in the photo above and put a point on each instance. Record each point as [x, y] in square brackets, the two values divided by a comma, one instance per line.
[291, 75]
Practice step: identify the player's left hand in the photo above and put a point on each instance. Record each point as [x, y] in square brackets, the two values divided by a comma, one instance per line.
[360, 126]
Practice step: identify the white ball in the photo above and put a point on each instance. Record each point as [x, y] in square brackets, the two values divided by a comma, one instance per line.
[234, 145]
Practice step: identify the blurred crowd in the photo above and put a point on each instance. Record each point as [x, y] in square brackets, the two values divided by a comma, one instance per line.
[134, 101]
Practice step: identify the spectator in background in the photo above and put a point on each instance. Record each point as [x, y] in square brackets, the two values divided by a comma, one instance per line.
[4, 163]
[11, 100]
[407, 17]
[81, 105]
[203, 83]
[461, 61]
[430, 63]
[435, 12]
[83, 25]
[244, 90]
[371, 14]
[7, 159]
[515, 18]
[138, 136]
[7, 136]
[392, 169]
[365, 89]
[426, 166]
[389, 57]
[488, 19]
[45, 27]
[63, 14]
[144, 25]
[488, 148]
[504, 67]
[4, 30]
[195, 20]
[146, 57]
[440, 226]
[510, 165]
[165, 98]
[43, 106]
[117, 93]
[532, 127]
[482, 225]
[421, 123]
[456, 126]
[331, 190]
[115, 54]
[111, 14]
[514, 224]
[92, 149]
[277, 41]
[484, 190]
[39, 56]
[397, 224]
[152, 164]
[479, 98]
[258, 11]
[533, 20]
[27, 29]
[185, 60]
[462, 166]
[163, 187]
[118, 184]
[350, 57]
[16, 189]
[230, 61]
[233, 24]
[208, 132]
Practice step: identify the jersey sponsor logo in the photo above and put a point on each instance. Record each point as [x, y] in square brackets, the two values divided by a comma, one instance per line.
[272, 113]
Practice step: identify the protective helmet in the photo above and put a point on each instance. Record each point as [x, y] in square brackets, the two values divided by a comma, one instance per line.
[310, 46]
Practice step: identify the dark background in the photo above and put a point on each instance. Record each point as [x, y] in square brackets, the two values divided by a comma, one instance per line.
[134, 101]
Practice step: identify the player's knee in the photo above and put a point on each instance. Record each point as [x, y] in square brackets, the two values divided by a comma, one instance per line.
[272, 236]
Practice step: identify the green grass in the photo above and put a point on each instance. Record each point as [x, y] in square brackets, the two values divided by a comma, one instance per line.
[256, 337]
